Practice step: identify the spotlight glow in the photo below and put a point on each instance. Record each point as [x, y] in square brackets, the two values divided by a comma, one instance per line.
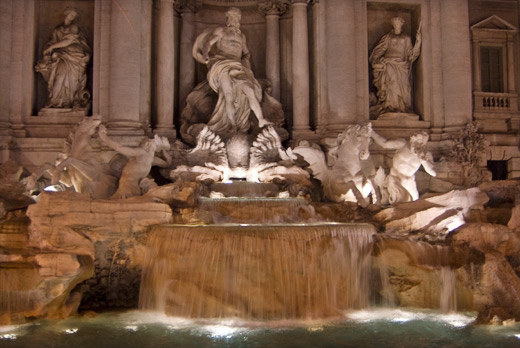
[8, 337]
[51, 188]
[221, 331]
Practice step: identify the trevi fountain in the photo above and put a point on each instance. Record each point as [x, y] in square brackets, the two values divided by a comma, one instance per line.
[240, 173]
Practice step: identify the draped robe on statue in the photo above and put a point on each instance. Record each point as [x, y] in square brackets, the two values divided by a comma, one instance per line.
[239, 75]
[65, 68]
[391, 60]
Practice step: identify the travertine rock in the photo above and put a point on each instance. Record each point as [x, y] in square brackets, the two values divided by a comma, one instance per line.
[72, 238]
[431, 217]
[488, 238]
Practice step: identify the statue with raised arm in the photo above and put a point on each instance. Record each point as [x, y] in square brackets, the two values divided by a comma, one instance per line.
[224, 51]
[391, 62]
[399, 185]
[140, 162]
[64, 64]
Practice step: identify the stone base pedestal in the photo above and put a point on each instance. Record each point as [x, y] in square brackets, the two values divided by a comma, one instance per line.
[497, 122]
[68, 112]
[398, 125]
[53, 125]
[399, 116]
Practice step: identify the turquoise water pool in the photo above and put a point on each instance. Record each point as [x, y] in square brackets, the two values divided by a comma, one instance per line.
[375, 328]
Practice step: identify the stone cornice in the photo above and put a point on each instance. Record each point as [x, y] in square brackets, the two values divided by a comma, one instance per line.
[273, 7]
[183, 6]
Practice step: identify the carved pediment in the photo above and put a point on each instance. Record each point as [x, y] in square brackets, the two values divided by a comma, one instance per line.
[494, 23]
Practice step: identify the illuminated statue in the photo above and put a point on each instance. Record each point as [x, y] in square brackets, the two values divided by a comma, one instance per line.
[391, 61]
[64, 63]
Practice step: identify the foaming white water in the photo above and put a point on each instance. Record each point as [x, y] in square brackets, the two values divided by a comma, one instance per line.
[13, 332]
[399, 315]
[135, 320]
[448, 292]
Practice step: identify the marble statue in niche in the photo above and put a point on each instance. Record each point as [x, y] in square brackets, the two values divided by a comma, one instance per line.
[237, 127]
[224, 50]
[64, 64]
[231, 100]
[391, 62]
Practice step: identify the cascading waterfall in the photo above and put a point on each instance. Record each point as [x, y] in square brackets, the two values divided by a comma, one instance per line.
[265, 272]
[437, 285]
[448, 291]
[254, 210]
[15, 289]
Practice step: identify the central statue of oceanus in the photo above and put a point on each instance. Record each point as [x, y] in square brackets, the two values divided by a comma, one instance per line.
[224, 51]
[231, 100]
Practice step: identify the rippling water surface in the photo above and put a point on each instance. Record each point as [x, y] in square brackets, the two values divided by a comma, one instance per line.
[375, 328]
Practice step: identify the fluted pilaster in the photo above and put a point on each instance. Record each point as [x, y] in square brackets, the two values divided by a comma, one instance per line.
[300, 66]
[165, 89]
[187, 10]
[272, 10]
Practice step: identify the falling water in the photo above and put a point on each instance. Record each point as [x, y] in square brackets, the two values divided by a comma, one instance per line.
[448, 290]
[253, 210]
[427, 268]
[15, 290]
[267, 272]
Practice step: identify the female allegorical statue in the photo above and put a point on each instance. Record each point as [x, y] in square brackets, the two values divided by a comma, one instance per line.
[64, 63]
[391, 61]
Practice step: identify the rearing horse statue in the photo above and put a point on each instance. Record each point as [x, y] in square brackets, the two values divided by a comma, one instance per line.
[78, 165]
[343, 179]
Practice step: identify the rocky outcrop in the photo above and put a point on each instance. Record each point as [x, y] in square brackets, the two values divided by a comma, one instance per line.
[13, 194]
[433, 217]
[68, 240]
[70, 251]
[494, 284]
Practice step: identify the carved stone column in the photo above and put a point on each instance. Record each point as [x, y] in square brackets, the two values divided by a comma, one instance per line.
[300, 66]
[510, 64]
[272, 10]
[456, 63]
[187, 10]
[477, 82]
[165, 89]
[130, 67]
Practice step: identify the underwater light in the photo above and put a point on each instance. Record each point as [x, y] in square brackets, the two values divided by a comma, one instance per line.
[221, 331]
[8, 337]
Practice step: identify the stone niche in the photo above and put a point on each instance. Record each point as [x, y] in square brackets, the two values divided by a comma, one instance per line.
[50, 15]
[379, 15]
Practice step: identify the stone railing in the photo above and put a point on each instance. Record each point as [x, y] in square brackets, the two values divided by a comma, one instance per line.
[495, 102]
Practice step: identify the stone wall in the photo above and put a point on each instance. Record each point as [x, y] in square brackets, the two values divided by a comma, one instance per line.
[70, 239]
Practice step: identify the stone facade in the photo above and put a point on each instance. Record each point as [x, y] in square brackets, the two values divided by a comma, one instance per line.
[315, 54]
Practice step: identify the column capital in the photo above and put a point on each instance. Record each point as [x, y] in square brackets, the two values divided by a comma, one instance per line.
[295, 2]
[273, 7]
[183, 6]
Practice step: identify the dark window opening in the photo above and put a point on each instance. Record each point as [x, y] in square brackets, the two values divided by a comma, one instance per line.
[491, 69]
[498, 169]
